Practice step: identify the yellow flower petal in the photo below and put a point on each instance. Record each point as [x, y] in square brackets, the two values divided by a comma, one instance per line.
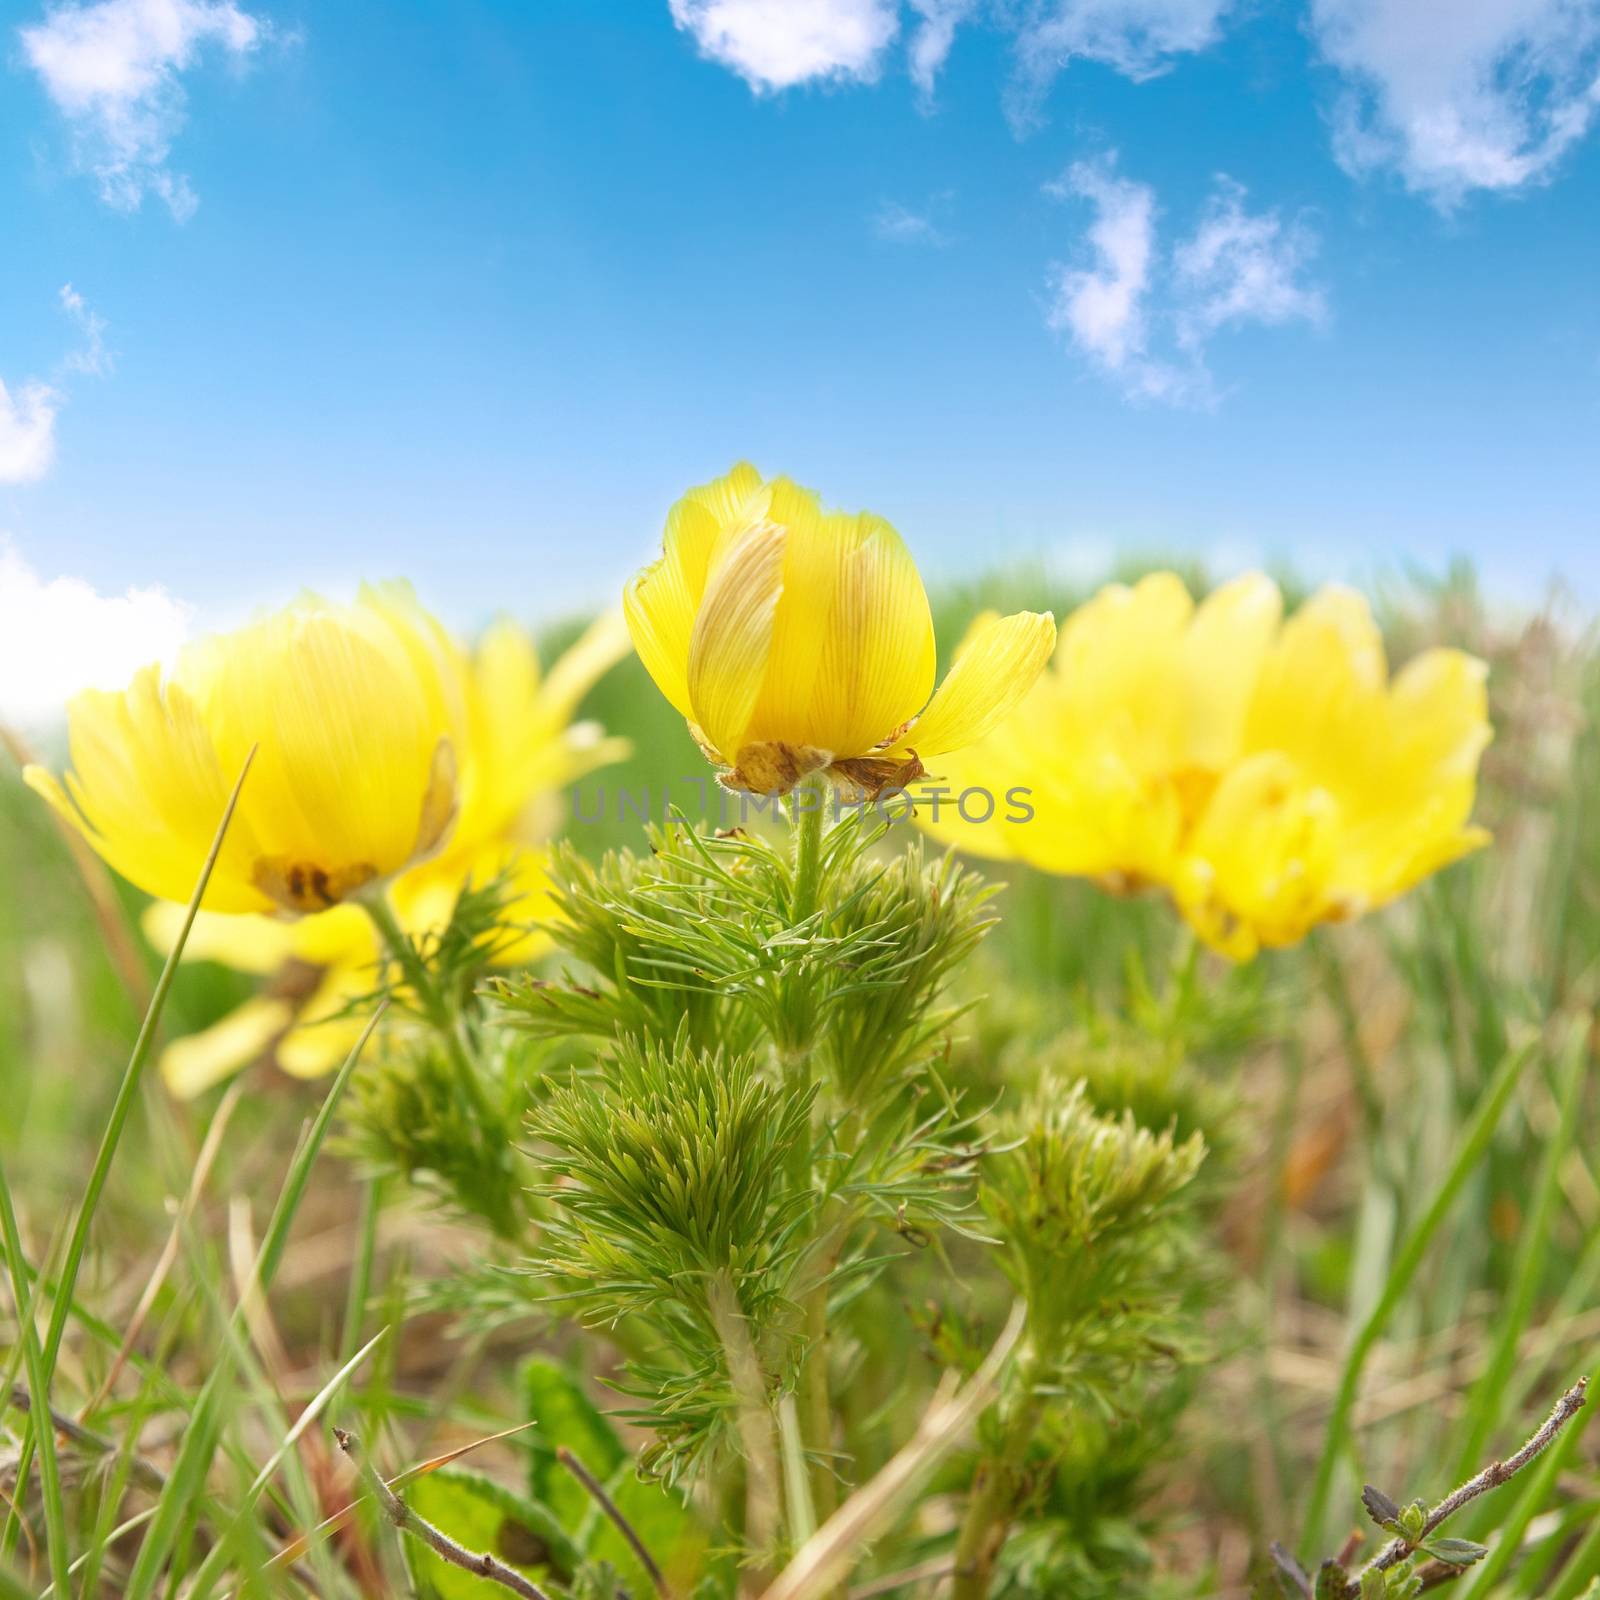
[660, 603]
[147, 791]
[593, 654]
[329, 1023]
[1219, 664]
[248, 944]
[733, 636]
[994, 669]
[193, 1064]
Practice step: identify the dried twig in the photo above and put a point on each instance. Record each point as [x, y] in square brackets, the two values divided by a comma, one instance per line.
[1492, 1476]
[620, 1522]
[147, 1473]
[407, 1521]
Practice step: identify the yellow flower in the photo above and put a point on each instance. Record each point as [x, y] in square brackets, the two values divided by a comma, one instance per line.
[355, 721]
[1269, 775]
[796, 640]
[519, 749]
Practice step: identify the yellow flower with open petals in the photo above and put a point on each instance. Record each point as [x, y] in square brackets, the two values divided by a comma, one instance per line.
[797, 640]
[355, 723]
[1268, 775]
[519, 748]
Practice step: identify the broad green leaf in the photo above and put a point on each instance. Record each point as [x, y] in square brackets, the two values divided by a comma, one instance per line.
[566, 1416]
[666, 1526]
[481, 1514]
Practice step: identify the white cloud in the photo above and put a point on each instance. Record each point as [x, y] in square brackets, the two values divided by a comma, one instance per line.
[900, 224]
[1138, 38]
[1101, 308]
[28, 416]
[92, 358]
[1144, 317]
[27, 431]
[935, 35]
[1484, 94]
[113, 69]
[776, 44]
[58, 636]
[1240, 268]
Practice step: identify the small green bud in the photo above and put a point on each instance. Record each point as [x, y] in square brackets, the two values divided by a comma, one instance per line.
[1412, 1521]
[1332, 1581]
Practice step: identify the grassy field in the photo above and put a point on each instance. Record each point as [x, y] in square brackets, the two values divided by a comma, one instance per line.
[1392, 1276]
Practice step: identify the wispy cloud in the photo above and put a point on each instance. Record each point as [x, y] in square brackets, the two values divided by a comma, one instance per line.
[1240, 267]
[901, 224]
[58, 635]
[1145, 317]
[1138, 38]
[114, 70]
[1489, 94]
[91, 357]
[1101, 307]
[27, 431]
[933, 39]
[1483, 95]
[778, 44]
[28, 414]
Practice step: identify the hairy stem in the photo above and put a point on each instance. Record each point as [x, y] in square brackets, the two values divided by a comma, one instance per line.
[435, 1006]
[1492, 1476]
[998, 1488]
[407, 1521]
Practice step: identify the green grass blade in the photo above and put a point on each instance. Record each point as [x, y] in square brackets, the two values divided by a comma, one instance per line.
[1474, 1142]
[122, 1106]
[128, 1089]
[39, 1427]
[218, 1555]
[1484, 1407]
[187, 1478]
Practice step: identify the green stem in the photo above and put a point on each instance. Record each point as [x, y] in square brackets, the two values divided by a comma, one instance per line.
[360, 1286]
[810, 803]
[436, 1007]
[998, 1487]
[1479, 1132]
[1182, 973]
[818, 1406]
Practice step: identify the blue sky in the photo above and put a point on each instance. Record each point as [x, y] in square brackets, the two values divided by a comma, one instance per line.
[470, 291]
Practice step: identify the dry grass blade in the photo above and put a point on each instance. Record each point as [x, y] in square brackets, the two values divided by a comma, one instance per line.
[303, 1542]
[482, 1564]
[840, 1542]
[209, 1147]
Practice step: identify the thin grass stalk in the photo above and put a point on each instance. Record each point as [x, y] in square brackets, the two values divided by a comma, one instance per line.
[39, 1422]
[218, 1555]
[360, 1286]
[128, 1089]
[1475, 1141]
[121, 1107]
[1486, 1402]
[186, 1481]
